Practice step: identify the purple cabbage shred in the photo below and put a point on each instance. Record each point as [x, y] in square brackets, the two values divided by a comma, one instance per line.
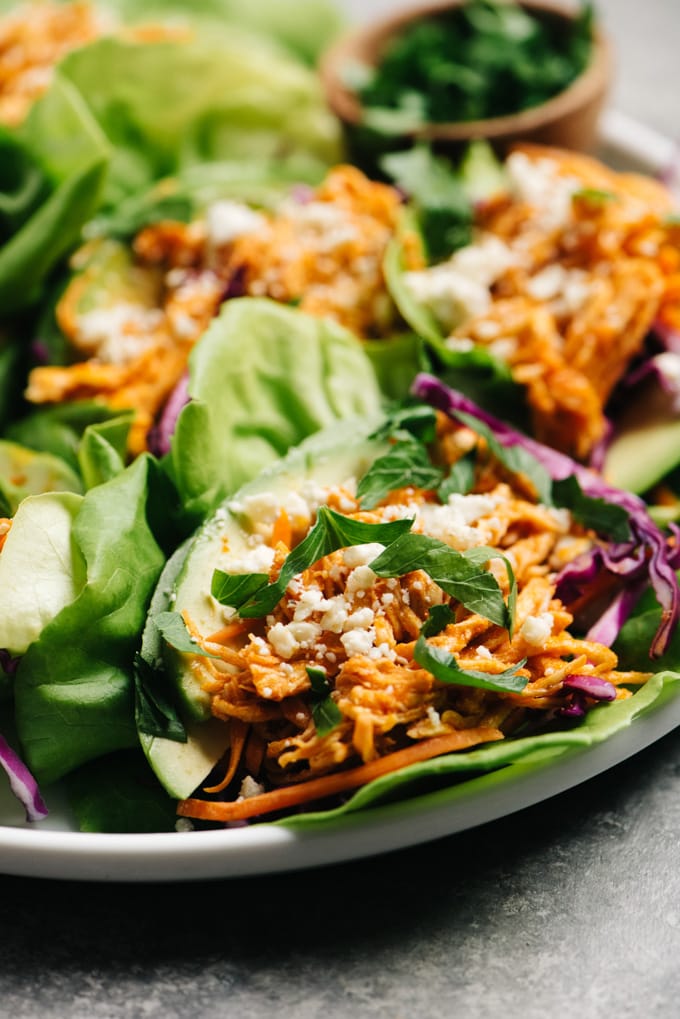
[22, 783]
[162, 432]
[647, 557]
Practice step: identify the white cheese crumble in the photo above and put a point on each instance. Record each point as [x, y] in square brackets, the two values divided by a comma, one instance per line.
[459, 289]
[361, 555]
[119, 333]
[539, 183]
[226, 220]
[451, 523]
[258, 559]
[536, 630]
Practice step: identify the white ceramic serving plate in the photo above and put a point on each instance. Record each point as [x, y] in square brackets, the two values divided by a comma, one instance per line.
[53, 849]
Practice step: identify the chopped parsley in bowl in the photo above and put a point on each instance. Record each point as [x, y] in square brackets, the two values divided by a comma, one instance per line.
[452, 71]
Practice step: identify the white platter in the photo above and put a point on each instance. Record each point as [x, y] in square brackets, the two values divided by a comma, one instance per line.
[52, 850]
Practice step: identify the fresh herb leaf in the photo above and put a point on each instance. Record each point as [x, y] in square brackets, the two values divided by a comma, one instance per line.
[175, 633]
[235, 589]
[325, 712]
[407, 463]
[332, 531]
[418, 419]
[460, 479]
[595, 196]
[481, 555]
[514, 458]
[443, 666]
[453, 571]
[154, 712]
[437, 193]
[480, 59]
[438, 618]
[598, 514]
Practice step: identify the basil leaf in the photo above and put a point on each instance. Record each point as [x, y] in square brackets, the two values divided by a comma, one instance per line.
[514, 458]
[235, 589]
[407, 463]
[481, 555]
[332, 531]
[325, 712]
[453, 571]
[438, 618]
[460, 479]
[598, 514]
[174, 631]
[418, 420]
[154, 712]
[444, 667]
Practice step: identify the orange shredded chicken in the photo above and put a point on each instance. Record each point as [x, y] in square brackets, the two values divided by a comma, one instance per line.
[324, 253]
[594, 262]
[361, 630]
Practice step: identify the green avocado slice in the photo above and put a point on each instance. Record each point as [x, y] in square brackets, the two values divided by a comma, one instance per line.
[328, 458]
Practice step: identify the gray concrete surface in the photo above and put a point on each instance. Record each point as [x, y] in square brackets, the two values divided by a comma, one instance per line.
[569, 909]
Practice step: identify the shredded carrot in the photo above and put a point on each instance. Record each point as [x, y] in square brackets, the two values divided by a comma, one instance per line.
[332, 785]
[238, 731]
[229, 631]
[282, 532]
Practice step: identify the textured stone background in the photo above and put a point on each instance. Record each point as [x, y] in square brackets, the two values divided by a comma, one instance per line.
[571, 908]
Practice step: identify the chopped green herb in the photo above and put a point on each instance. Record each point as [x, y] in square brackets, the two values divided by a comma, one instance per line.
[154, 712]
[514, 458]
[418, 420]
[175, 633]
[407, 463]
[601, 516]
[332, 531]
[444, 667]
[484, 58]
[457, 573]
[460, 479]
[325, 712]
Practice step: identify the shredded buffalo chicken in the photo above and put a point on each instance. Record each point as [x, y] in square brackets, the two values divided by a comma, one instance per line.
[322, 252]
[594, 262]
[361, 630]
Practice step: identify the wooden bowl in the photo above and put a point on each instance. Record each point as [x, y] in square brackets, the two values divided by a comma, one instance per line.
[568, 120]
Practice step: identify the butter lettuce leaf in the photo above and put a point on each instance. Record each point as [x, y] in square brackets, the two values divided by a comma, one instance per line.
[474, 772]
[74, 686]
[262, 378]
[224, 96]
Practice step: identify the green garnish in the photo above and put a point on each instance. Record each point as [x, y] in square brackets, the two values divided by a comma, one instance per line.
[599, 515]
[407, 463]
[443, 666]
[174, 632]
[253, 596]
[482, 59]
[325, 712]
[457, 573]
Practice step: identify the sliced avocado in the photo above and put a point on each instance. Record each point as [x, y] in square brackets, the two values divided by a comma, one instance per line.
[24, 472]
[41, 569]
[330, 457]
[106, 275]
[646, 446]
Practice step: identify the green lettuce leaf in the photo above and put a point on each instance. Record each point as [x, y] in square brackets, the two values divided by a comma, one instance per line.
[263, 377]
[227, 96]
[473, 772]
[65, 153]
[74, 686]
[41, 570]
[306, 27]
